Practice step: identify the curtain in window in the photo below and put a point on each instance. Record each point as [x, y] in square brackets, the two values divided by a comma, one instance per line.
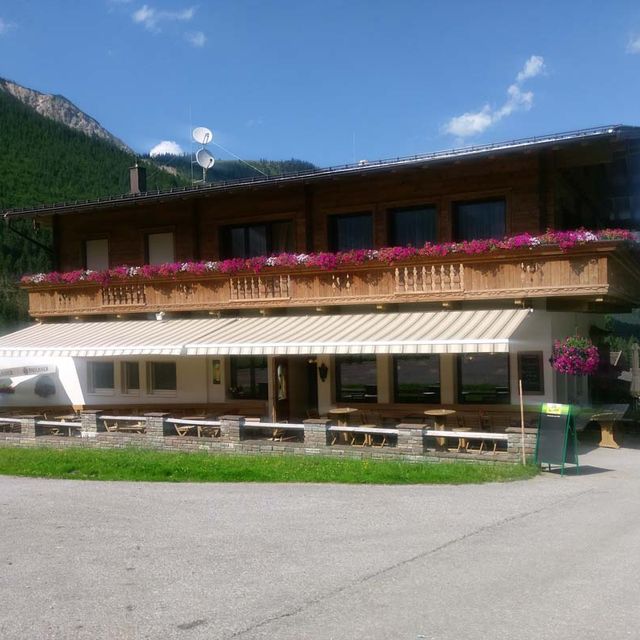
[352, 232]
[413, 227]
[281, 237]
[479, 220]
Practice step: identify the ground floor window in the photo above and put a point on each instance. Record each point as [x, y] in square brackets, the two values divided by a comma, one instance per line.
[162, 377]
[100, 376]
[356, 379]
[483, 378]
[130, 377]
[249, 377]
[416, 379]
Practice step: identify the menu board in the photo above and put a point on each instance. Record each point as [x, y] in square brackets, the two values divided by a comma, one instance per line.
[531, 372]
[557, 442]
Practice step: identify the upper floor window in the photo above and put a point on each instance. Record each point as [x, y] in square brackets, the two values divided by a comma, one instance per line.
[350, 231]
[96, 254]
[249, 241]
[479, 220]
[416, 379]
[160, 248]
[412, 226]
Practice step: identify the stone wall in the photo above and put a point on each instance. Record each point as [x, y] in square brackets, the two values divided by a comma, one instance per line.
[237, 437]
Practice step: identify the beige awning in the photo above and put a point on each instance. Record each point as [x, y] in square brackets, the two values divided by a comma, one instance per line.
[486, 331]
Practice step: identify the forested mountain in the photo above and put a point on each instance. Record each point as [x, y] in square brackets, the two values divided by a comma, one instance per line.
[224, 170]
[46, 160]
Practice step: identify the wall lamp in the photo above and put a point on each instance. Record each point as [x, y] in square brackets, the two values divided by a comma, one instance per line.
[323, 371]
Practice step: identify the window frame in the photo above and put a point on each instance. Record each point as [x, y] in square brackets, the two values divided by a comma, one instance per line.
[91, 378]
[346, 358]
[459, 385]
[391, 224]
[396, 395]
[85, 253]
[124, 378]
[455, 223]
[151, 390]
[156, 232]
[254, 386]
[226, 245]
[332, 228]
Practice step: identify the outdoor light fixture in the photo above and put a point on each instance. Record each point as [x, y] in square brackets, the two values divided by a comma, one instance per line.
[323, 370]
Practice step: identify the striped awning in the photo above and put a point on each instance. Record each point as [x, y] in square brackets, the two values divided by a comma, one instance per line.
[486, 331]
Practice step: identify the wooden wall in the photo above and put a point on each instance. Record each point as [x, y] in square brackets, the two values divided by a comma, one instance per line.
[196, 220]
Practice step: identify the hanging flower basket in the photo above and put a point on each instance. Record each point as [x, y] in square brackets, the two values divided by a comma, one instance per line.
[575, 356]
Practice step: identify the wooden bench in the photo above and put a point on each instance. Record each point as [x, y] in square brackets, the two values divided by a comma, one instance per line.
[465, 436]
[368, 435]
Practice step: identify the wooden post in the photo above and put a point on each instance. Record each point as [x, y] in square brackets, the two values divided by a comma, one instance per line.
[524, 457]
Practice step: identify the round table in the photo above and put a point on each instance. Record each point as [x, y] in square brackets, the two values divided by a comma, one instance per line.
[342, 415]
[440, 418]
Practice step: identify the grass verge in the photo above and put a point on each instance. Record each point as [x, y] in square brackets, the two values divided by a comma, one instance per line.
[155, 466]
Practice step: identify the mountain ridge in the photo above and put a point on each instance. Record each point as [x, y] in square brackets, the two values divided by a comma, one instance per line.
[57, 107]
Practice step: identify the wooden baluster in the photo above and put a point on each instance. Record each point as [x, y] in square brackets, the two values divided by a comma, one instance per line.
[442, 278]
[433, 277]
[406, 279]
[461, 277]
[415, 279]
[397, 279]
[452, 277]
[423, 277]
[288, 285]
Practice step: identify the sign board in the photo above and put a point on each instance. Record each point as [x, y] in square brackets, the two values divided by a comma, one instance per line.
[557, 441]
[531, 372]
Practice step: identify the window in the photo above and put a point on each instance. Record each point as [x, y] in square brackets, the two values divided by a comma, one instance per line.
[249, 241]
[249, 377]
[96, 255]
[416, 379]
[414, 226]
[160, 248]
[350, 231]
[162, 377]
[356, 379]
[130, 377]
[483, 378]
[101, 378]
[478, 220]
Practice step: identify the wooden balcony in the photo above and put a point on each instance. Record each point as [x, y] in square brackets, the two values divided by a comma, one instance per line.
[604, 272]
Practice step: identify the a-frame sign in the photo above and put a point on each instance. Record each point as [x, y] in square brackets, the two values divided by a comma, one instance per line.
[557, 441]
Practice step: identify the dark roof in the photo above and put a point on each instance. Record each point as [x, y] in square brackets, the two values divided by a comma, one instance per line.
[464, 153]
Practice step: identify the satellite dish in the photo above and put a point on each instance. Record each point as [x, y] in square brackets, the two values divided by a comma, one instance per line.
[202, 135]
[205, 159]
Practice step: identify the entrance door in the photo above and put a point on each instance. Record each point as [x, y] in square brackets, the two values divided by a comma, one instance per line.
[281, 387]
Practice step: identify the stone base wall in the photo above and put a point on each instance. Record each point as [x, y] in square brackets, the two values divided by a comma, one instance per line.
[410, 445]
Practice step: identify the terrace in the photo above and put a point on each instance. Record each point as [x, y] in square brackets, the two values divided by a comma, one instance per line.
[578, 274]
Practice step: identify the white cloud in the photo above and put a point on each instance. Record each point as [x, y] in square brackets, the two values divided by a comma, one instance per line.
[197, 39]
[151, 18]
[633, 46]
[5, 26]
[166, 147]
[533, 67]
[473, 123]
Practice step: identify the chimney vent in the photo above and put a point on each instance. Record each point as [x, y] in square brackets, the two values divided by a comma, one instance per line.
[137, 179]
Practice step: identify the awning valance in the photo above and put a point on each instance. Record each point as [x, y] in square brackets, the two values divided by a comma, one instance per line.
[482, 331]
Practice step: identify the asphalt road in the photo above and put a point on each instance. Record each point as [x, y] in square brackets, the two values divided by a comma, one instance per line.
[549, 558]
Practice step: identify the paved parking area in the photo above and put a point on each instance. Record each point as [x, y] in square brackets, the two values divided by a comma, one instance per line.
[549, 558]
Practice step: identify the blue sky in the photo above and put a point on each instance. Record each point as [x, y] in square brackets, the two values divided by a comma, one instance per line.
[330, 81]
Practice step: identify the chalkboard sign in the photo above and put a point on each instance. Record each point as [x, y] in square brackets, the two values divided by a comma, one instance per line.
[557, 441]
[530, 372]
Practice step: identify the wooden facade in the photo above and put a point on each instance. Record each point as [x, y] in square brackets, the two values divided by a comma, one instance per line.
[541, 188]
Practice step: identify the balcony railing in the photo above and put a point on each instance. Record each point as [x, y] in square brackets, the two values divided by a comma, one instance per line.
[604, 272]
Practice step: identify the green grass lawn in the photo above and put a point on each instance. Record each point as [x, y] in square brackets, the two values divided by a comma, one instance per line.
[154, 466]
